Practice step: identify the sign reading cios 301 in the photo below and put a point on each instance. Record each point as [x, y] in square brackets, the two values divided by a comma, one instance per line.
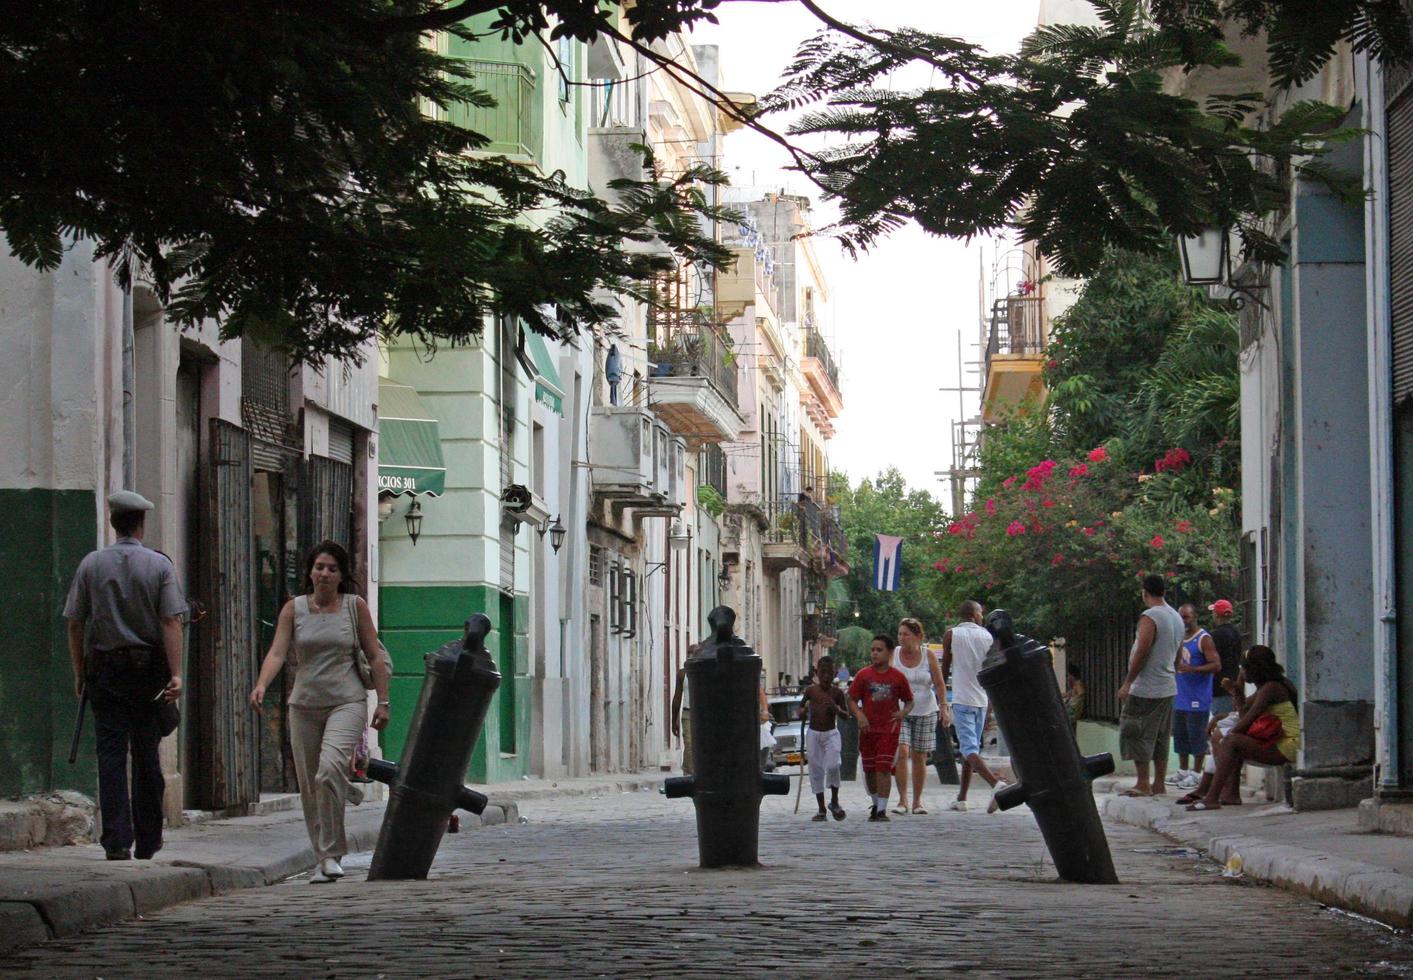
[397, 484]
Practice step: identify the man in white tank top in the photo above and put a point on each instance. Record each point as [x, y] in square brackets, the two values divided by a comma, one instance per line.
[964, 648]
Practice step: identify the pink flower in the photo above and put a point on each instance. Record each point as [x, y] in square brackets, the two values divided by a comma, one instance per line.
[1184, 526]
[1057, 559]
[1078, 471]
[1036, 476]
[1098, 454]
[1014, 529]
[1157, 541]
[990, 506]
[941, 566]
[957, 569]
[1089, 532]
[1047, 503]
[1008, 481]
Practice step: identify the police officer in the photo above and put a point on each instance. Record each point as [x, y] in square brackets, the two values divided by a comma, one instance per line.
[130, 660]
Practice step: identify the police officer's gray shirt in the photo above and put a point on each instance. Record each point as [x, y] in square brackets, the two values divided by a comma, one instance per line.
[1158, 679]
[123, 591]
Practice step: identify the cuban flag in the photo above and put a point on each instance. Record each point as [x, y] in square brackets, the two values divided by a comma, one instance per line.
[887, 562]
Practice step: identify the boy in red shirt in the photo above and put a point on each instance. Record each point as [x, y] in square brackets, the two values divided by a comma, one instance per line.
[886, 699]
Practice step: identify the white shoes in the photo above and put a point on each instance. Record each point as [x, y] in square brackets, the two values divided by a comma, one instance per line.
[995, 804]
[1190, 781]
[959, 805]
[329, 870]
[1177, 778]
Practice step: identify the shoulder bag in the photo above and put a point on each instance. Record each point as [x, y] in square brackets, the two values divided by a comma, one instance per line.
[360, 659]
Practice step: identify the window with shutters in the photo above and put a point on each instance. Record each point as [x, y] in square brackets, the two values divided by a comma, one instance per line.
[595, 565]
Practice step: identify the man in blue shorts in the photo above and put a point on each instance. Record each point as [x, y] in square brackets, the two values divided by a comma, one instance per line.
[964, 648]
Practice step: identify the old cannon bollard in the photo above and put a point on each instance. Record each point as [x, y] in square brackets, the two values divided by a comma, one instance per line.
[427, 784]
[1051, 776]
[727, 784]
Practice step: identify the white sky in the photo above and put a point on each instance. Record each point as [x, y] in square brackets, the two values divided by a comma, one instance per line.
[898, 309]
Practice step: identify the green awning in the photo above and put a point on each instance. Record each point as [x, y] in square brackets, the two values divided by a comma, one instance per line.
[409, 445]
[549, 390]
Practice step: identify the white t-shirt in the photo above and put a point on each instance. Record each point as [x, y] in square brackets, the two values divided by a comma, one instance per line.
[970, 644]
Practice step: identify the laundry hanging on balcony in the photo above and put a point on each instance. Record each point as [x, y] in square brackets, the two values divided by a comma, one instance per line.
[887, 562]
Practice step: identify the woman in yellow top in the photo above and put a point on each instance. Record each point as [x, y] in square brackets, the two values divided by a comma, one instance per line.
[1275, 696]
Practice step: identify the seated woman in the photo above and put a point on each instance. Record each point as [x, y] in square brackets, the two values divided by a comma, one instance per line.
[1217, 729]
[1249, 740]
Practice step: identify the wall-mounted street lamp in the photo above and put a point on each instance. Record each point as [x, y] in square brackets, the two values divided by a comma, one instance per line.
[1207, 261]
[1206, 257]
[557, 532]
[414, 521]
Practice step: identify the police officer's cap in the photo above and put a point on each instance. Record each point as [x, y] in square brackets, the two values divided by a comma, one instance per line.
[127, 502]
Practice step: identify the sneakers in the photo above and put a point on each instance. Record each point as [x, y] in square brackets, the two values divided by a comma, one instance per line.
[995, 804]
[1176, 778]
[878, 816]
[329, 870]
[959, 805]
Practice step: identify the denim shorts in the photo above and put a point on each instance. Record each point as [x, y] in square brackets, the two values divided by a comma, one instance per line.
[968, 720]
[1190, 732]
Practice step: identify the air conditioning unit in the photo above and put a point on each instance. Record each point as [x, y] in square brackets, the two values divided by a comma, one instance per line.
[621, 446]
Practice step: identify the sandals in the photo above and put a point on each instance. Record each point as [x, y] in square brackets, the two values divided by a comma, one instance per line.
[900, 809]
[1185, 800]
[1133, 793]
[921, 810]
[1202, 807]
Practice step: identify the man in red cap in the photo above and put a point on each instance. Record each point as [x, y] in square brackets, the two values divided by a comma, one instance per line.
[1227, 639]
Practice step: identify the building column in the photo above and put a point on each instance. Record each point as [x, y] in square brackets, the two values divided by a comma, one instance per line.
[1329, 635]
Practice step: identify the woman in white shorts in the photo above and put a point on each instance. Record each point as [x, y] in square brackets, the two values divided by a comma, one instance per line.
[919, 730]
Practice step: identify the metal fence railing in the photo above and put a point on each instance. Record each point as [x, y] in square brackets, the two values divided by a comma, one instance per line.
[816, 347]
[696, 349]
[1101, 654]
[511, 124]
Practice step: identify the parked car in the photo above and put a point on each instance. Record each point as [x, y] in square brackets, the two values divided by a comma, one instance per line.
[785, 727]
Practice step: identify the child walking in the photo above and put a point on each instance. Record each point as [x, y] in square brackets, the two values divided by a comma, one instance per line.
[823, 704]
[886, 699]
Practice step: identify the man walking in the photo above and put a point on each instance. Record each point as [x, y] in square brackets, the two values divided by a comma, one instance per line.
[131, 657]
[1146, 718]
[1227, 639]
[964, 648]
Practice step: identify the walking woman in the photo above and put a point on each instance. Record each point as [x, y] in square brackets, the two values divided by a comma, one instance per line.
[919, 734]
[1268, 732]
[328, 707]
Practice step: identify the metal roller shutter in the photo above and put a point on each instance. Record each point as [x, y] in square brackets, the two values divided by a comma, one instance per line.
[1400, 185]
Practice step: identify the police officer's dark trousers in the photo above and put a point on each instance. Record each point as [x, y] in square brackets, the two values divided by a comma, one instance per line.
[126, 724]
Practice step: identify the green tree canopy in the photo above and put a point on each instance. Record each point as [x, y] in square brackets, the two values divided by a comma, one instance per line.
[1128, 468]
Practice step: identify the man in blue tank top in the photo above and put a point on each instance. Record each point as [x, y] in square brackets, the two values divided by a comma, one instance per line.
[1197, 662]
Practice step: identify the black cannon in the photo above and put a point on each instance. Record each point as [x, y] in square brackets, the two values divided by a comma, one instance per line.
[1051, 776]
[727, 783]
[427, 785]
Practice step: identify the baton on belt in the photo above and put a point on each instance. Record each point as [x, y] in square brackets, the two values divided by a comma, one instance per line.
[78, 727]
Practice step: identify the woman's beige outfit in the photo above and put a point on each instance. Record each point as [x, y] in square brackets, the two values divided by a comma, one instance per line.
[328, 711]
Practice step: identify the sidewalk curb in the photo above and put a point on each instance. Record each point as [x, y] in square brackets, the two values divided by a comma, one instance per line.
[1352, 885]
[71, 903]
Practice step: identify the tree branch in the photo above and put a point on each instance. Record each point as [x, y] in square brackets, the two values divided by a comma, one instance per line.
[722, 101]
[885, 44]
[431, 20]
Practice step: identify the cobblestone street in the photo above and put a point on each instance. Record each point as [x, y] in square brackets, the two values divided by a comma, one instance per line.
[609, 887]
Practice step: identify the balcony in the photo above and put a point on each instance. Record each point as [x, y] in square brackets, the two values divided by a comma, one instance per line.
[832, 548]
[711, 472]
[512, 125]
[638, 463]
[1015, 353]
[693, 385]
[822, 374]
[791, 529]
